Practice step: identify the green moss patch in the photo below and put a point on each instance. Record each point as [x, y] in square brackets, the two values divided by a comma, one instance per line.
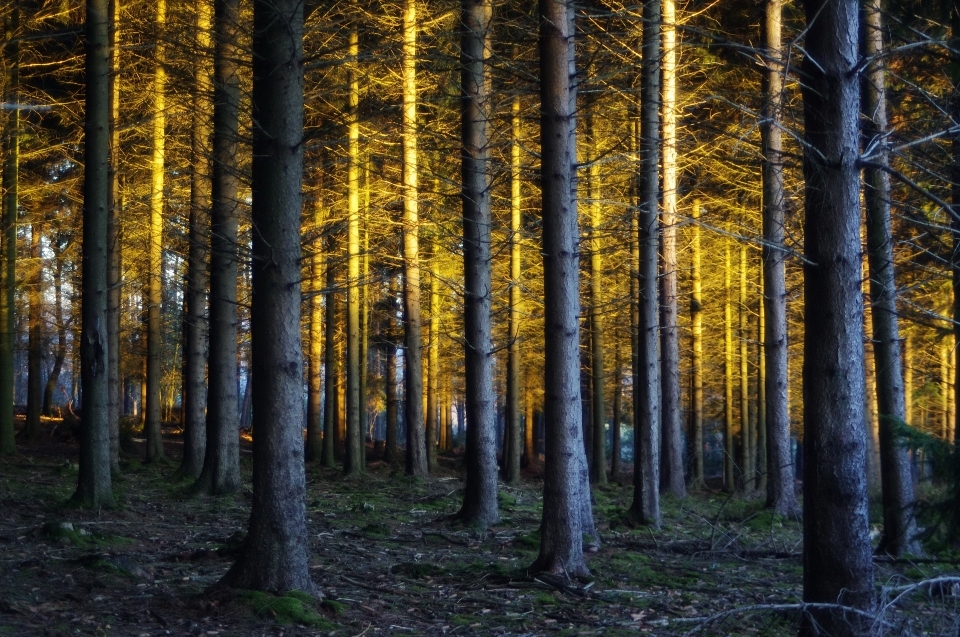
[293, 607]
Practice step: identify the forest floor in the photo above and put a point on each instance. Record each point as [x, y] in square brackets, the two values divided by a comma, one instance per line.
[390, 562]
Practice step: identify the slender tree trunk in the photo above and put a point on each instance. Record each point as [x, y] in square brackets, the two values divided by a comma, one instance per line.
[598, 467]
[365, 425]
[762, 473]
[480, 495]
[34, 336]
[646, 498]
[314, 444]
[908, 353]
[416, 457]
[696, 360]
[729, 470]
[955, 218]
[195, 315]
[114, 208]
[94, 488]
[671, 472]
[513, 348]
[837, 553]
[221, 465]
[152, 418]
[899, 527]
[615, 463]
[566, 494]
[330, 402]
[390, 444]
[61, 354]
[433, 370]
[11, 170]
[743, 336]
[529, 440]
[781, 496]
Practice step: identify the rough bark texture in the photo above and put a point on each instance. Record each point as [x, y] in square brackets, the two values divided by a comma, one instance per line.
[221, 466]
[94, 489]
[836, 547]
[729, 466]
[314, 443]
[195, 299]
[899, 526]
[276, 554]
[781, 496]
[671, 471]
[695, 437]
[512, 473]
[416, 464]
[114, 207]
[330, 381]
[646, 497]
[565, 487]
[480, 493]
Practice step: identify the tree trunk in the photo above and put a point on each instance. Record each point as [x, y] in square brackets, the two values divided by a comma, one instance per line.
[836, 547]
[899, 526]
[433, 370]
[598, 468]
[955, 220]
[671, 471]
[743, 336]
[114, 209]
[646, 497]
[34, 336]
[330, 406]
[762, 473]
[566, 494]
[529, 447]
[480, 495]
[61, 354]
[416, 460]
[615, 462]
[195, 315]
[276, 553]
[514, 416]
[11, 170]
[390, 444]
[314, 443]
[152, 418]
[781, 495]
[729, 469]
[94, 489]
[221, 465]
[696, 360]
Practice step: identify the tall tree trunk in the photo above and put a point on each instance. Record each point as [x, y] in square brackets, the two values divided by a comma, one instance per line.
[615, 451]
[480, 495]
[330, 402]
[529, 447]
[152, 418]
[671, 471]
[955, 217]
[365, 424]
[908, 354]
[34, 335]
[11, 177]
[390, 445]
[899, 527]
[433, 369]
[762, 474]
[61, 354]
[416, 464]
[781, 495]
[114, 209]
[221, 465]
[729, 468]
[696, 360]
[195, 315]
[743, 336]
[513, 347]
[353, 459]
[598, 466]
[314, 443]
[276, 554]
[94, 488]
[836, 547]
[566, 493]
[646, 497]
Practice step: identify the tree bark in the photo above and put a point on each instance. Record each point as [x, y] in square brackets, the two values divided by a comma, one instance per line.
[34, 335]
[646, 497]
[276, 554]
[837, 553]
[743, 337]
[514, 416]
[696, 360]
[480, 494]
[729, 454]
[61, 354]
[598, 466]
[615, 449]
[221, 465]
[114, 209]
[899, 526]
[314, 443]
[94, 488]
[330, 381]
[433, 369]
[566, 495]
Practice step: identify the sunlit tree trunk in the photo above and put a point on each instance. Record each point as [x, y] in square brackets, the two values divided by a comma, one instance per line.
[314, 443]
[836, 550]
[114, 210]
[221, 468]
[743, 336]
[365, 315]
[908, 354]
[353, 459]
[899, 527]
[695, 437]
[729, 477]
[155, 247]
[276, 553]
[646, 498]
[761, 425]
[513, 347]
[330, 381]
[480, 494]
[433, 369]
[195, 315]
[597, 446]
[671, 459]
[416, 457]
[34, 335]
[94, 488]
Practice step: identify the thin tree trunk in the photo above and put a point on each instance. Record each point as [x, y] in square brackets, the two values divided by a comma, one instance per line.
[330, 402]
[513, 348]
[908, 352]
[529, 447]
[34, 336]
[433, 370]
[94, 488]
[114, 210]
[566, 494]
[729, 469]
[416, 457]
[671, 471]
[615, 462]
[598, 466]
[314, 443]
[696, 360]
[480, 494]
[761, 467]
[221, 465]
[743, 336]
[365, 425]
[955, 220]
[61, 354]
[152, 418]
[390, 445]
[646, 498]
[838, 568]
[276, 554]
[195, 315]
[899, 526]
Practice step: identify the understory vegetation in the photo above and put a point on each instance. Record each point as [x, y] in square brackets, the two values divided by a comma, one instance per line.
[389, 562]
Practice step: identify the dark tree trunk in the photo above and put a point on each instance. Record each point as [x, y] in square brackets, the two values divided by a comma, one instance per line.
[61, 354]
[330, 406]
[275, 556]
[566, 492]
[480, 495]
[34, 336]
[114, 207]
[94, 488]
[836, 547]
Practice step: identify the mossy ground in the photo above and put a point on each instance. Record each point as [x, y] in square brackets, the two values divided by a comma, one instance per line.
[390, 561]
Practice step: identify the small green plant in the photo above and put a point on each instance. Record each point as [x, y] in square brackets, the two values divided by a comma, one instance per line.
[293, 607]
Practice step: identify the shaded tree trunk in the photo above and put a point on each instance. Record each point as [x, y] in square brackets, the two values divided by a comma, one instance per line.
[34, 335]
[836, 548]
[114, 209]
[615, 451]
[598, 466]
[330, 381]
[61, 354]
[433, 370]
